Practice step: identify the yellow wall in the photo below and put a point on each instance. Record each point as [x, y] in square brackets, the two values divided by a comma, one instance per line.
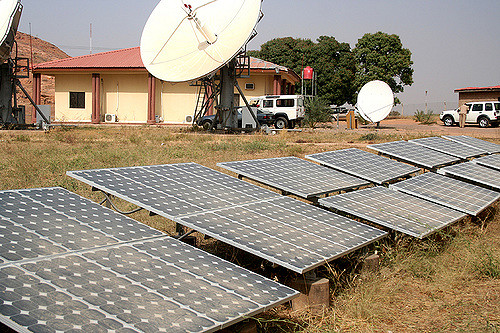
[126, 95]
[66, 83]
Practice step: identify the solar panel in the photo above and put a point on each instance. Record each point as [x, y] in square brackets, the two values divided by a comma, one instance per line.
[490, 147]
[450, 147]
[294, 175]
[414, 154]
[474, 173]
[359, 163]
[449, 192]
[68, 264]
[244, 215]
[395, 210]
[490, 161]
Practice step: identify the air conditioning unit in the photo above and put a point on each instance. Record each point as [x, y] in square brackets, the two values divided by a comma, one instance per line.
[189, 119]
[110, 118]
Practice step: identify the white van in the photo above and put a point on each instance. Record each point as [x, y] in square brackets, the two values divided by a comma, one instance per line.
[288, 110]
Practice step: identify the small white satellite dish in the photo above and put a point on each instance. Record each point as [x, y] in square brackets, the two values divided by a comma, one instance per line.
[375, 101]
[185, 40]
[10, 14]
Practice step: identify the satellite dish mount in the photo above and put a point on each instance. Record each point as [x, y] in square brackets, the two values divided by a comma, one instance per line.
[193, 41]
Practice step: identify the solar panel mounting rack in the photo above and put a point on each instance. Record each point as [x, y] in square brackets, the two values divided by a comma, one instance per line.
[279, 229]
[394, 210]
[296, 176]
[365, 165]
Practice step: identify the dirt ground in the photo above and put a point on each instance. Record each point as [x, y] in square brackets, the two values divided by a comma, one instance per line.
[410, 126]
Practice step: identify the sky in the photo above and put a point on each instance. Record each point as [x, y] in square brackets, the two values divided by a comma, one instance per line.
[454, 43]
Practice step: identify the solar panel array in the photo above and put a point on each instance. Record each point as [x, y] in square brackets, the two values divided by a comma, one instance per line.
[474, 173]
[490, 161]
[449, 147]
[395, 210]
[282, 230]
[68, 264]
[414, 154]
[490, 147]
[359, 163]
[294, 175]
[449, 192]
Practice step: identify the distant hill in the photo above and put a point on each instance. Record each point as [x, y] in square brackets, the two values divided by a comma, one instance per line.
[43, 51]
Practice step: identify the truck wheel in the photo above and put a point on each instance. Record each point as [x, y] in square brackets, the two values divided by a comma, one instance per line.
[483, 122]
[206, 125]
[448, 121]
[281, 123]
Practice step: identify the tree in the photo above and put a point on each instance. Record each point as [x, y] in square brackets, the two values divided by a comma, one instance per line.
[317, 111]
[333, 62]
[381, 56]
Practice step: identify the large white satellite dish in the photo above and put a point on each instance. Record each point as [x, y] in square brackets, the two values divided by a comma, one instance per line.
[10, 13]
[187, 40]
[375, 101]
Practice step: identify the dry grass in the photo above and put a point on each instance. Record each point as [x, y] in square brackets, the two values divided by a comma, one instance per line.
[447, 283]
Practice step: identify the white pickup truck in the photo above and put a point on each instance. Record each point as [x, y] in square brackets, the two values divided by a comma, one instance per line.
[481, 113]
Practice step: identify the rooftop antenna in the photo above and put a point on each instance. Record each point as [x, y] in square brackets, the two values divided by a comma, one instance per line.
[193, 39]
[90, 38]
[375, 101]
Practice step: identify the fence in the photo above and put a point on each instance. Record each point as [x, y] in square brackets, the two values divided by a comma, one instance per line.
[434, 107]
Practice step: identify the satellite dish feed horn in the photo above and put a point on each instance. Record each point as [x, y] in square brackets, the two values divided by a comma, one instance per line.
[375, 101]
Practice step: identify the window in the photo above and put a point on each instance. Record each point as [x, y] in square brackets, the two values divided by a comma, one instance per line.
[268, 103]
[488, 107]
[497, 106]
[77, 100]
[249, 86]
[285, 103]
[477, 107]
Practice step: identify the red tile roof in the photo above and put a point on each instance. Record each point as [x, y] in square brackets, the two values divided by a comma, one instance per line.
[478, 89]
[129, 59]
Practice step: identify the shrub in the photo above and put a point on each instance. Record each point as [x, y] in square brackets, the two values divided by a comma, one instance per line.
[424, 117]
[317, 111]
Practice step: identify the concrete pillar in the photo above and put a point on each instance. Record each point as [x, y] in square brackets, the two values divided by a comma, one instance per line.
[96, 98]
[211, 103]
[292, 89]
[314, 297]
[277, 85]
[37, 96]
[151, 99]
[283, 87]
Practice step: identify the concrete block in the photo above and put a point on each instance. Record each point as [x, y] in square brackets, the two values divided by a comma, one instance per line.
[314, 297]
[371, 264]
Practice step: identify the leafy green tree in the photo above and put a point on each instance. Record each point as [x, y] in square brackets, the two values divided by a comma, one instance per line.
[381, 56]
[333, 62]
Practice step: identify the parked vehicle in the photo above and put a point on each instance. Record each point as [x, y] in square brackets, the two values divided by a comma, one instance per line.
[288, 110]
[481, 113]
[264, 118]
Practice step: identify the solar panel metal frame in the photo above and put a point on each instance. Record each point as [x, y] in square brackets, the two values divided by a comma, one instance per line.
[276, 169]
[368, 211]
[474, 173]
[236, 234]
[351, 167]
[402, 146]
[449, 192]
[490, 147]
[449, 147]
[490, 161]
[92, 286]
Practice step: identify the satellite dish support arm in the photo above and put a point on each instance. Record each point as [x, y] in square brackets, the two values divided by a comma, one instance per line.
[254, 116]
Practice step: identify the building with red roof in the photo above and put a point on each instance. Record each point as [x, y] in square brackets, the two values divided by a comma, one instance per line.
[115, 86]
[478, 94]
